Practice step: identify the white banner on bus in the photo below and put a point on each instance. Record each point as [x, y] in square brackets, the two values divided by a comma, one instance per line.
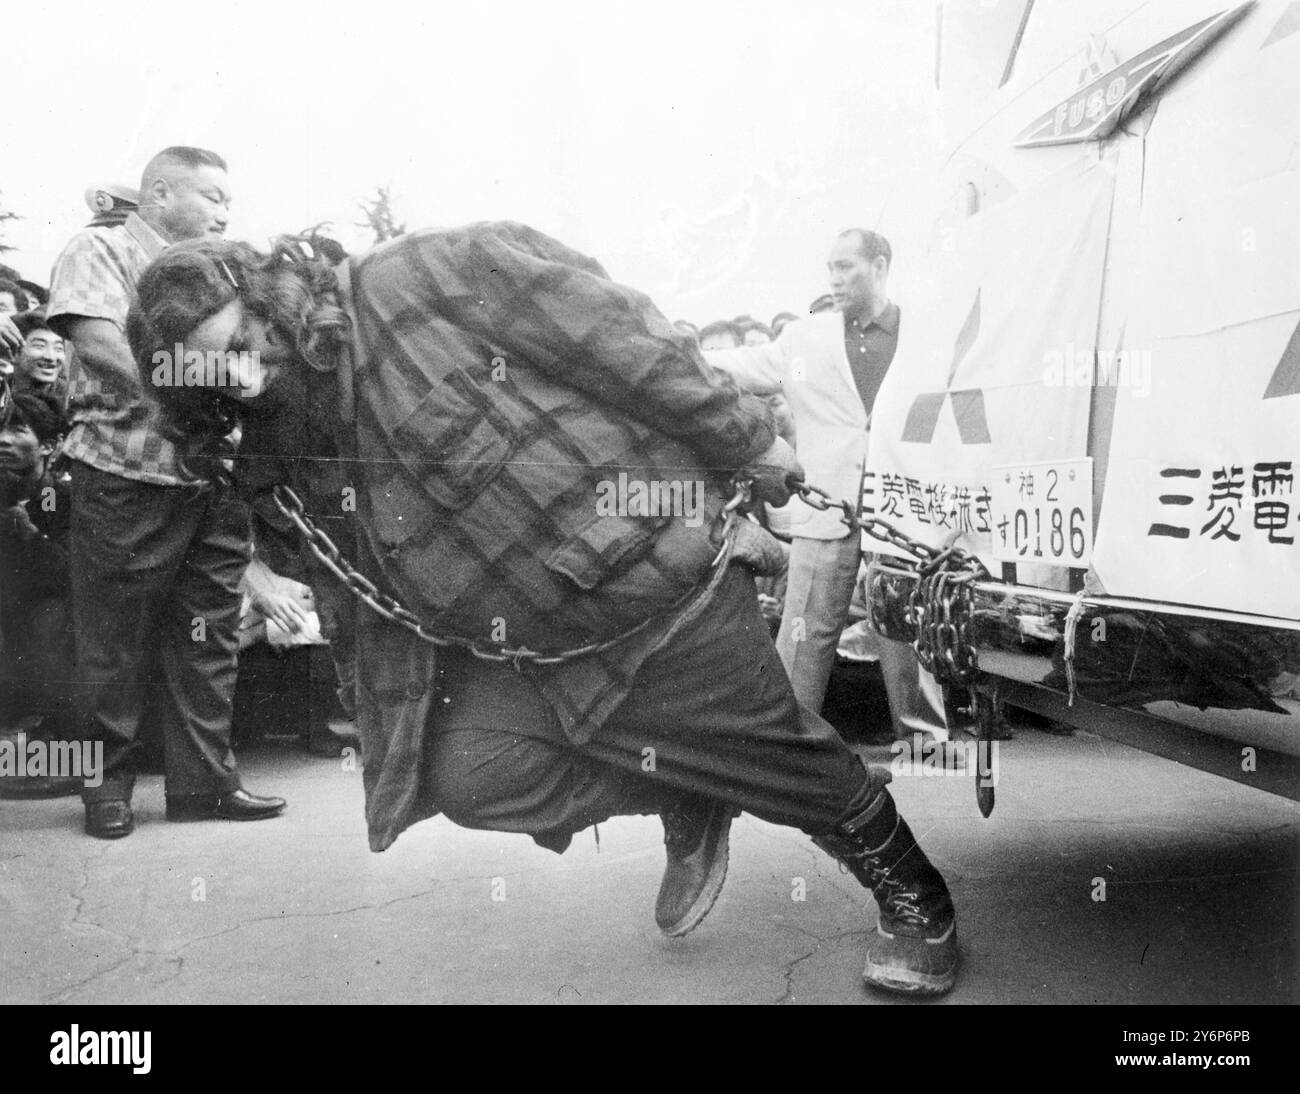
[1001, 379]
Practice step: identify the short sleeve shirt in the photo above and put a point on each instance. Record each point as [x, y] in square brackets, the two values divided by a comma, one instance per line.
[115, 425]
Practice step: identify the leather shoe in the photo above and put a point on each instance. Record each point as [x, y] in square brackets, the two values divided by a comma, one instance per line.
[109, 819]
[237, 804]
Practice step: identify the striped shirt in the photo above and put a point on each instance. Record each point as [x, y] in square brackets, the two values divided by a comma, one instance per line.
[115, 426]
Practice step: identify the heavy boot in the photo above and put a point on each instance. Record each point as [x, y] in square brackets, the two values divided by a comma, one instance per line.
[914, 950]
[696, 834]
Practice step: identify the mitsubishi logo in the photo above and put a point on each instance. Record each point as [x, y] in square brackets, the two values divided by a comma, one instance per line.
[967, 404]
[1093, 112]
[1286, 377]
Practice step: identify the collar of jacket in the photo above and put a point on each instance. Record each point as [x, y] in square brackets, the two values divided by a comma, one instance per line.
[346, 368]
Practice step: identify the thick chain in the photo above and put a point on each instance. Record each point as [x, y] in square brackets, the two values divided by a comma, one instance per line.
[365, 590]
[924, 555]
[940, 609]
[940, 605]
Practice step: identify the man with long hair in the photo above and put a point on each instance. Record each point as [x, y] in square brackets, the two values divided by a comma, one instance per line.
[156, 555]
[540, 467]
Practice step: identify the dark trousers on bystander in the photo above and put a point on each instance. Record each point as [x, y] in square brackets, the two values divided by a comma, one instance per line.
[157, 568]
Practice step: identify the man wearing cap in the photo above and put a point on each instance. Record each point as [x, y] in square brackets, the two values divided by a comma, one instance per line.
[157, 556]
[540, 464]
[111, 203]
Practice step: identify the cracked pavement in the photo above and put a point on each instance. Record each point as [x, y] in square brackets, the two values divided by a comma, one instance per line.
[1201, 883]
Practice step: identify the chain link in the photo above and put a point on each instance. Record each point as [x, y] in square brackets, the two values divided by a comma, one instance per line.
[365, 590]
[941, 601]
[939, 607]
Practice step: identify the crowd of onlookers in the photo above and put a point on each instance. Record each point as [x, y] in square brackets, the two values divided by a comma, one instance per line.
[32, 356]
[744, 330]
[35, 635]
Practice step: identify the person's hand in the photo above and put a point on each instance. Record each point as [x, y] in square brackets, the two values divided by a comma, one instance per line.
[286, 610]
[770, 607]
[21, 522]
[775, 473]
[9, 334]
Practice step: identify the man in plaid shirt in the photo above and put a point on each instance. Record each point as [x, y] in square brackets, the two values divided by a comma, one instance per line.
[489, 390]
[156, 556]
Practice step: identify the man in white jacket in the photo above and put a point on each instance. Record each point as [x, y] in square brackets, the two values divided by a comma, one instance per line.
[830, 366]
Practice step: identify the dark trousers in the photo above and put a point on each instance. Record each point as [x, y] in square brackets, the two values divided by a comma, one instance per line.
[156, 570]
[37, 671]
[284, 693]
[712, 715]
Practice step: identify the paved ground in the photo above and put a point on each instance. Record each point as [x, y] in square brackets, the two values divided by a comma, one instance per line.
[1202, 898]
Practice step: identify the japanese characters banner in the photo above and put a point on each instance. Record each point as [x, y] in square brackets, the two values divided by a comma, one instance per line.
[984, 376]
[1200, 504]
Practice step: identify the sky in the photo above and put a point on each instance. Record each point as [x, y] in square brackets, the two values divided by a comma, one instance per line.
[704, 152]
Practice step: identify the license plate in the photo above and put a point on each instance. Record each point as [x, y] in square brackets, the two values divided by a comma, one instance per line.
[1042, 512]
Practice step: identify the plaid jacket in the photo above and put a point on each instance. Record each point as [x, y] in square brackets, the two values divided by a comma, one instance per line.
[505, 391]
